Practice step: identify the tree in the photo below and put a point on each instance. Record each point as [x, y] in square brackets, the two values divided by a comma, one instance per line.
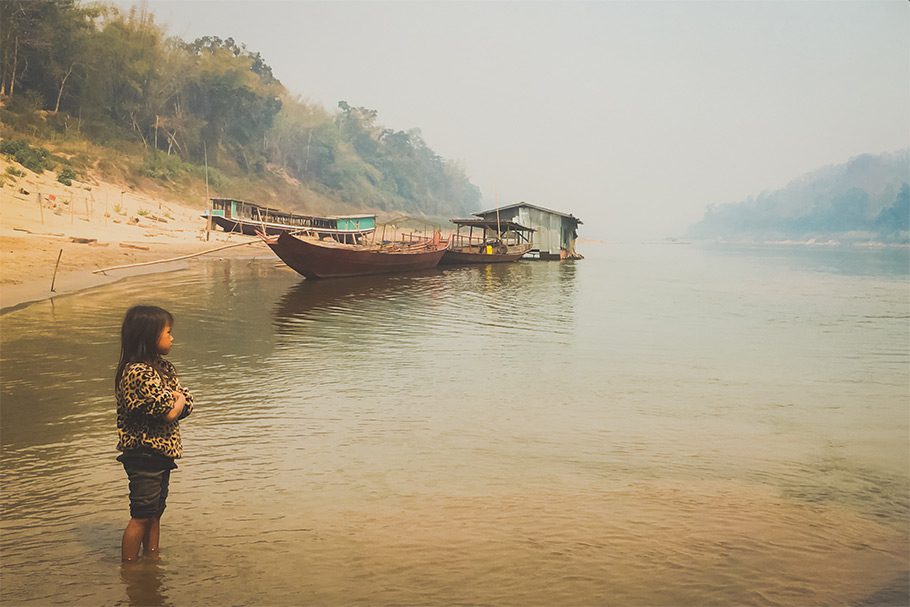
[895, 218]
[126, 80]
[237, 103]
[18, 36]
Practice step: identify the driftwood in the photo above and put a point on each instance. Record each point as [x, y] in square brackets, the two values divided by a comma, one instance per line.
[148, 263]
[39, 233]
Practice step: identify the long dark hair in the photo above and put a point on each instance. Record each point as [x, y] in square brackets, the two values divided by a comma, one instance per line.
[142, 326]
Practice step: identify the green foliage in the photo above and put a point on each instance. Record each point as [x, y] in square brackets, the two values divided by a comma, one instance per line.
[66, 176]
[11, 170]
[42, 44]
[11, 147]
[115, 77]
[371, 165]
[216, 178]
[237, 104]
[34, 159]
[158, 165]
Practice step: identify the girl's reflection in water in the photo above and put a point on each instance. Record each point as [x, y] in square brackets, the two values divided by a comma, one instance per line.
[145, 583]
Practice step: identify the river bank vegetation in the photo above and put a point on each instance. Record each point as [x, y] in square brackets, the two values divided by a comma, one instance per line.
[89, 88]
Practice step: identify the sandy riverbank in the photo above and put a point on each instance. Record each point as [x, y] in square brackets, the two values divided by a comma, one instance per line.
[96, 225]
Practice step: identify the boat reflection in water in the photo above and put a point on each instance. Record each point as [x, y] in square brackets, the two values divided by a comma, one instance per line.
[307, 298]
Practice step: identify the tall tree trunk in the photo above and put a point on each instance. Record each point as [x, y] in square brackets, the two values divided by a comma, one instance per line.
[4, 61]
[12, 80]
[138, 130]
[306, 164]
[60, 92]
[173, 143]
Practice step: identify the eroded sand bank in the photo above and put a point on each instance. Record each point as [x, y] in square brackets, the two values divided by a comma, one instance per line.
[90, 226]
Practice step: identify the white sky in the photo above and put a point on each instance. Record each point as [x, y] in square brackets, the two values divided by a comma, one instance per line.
[631, 115]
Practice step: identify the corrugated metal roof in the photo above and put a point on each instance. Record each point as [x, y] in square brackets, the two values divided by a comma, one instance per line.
[282, 212]
[252, 204]
[491, 224]
[532, 206]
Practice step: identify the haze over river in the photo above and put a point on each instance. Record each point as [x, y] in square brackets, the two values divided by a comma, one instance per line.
[653, 425]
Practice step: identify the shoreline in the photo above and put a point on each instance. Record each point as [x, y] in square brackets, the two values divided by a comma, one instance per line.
[94, 224]
[20, 296]
[51, 233]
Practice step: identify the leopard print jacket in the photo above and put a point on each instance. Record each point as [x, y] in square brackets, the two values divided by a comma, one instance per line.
[143, 399]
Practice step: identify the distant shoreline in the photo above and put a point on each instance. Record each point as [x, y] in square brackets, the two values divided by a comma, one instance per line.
[830, 243]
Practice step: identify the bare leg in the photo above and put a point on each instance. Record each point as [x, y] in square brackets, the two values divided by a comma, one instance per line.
[133, 535]
[150, 539]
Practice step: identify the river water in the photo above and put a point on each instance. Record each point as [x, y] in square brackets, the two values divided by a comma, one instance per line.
[653, 425]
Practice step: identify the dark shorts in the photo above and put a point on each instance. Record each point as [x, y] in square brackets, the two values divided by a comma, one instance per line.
[149, 476]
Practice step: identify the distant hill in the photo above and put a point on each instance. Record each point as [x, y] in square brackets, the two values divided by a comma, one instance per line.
[867, 198]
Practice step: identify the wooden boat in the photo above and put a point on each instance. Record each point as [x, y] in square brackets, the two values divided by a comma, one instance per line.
[248, 218]
[501, 242]
[317, 257]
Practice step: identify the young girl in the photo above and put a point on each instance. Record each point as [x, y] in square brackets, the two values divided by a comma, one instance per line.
[150, 401]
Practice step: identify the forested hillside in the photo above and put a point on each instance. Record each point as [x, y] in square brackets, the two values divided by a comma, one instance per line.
[74, 72]
[867, 198]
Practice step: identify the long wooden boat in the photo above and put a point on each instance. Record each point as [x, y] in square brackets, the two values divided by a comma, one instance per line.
[501, 242]
[316, 257]
[241, 217]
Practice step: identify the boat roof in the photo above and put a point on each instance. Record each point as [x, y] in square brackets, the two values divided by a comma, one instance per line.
[531, 206]
[258, 206]
[491, 224]
[281, 212]
[229, 199]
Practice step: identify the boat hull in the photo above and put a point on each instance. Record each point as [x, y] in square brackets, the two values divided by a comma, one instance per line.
[468, 255]
[317, 259]
[249, 228]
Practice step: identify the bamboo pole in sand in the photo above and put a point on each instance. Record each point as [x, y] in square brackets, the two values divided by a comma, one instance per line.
[148, 263]
[57, 265]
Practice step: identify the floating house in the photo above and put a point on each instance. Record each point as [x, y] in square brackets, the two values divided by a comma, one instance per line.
[240, 216]
[554, 232]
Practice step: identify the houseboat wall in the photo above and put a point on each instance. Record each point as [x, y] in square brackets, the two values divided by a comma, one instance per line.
[555, 233]
[357, 223]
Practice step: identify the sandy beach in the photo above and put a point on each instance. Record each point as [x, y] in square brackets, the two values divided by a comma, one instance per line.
[94, 225]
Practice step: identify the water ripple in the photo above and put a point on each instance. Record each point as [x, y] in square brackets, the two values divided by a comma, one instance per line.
[531, 433]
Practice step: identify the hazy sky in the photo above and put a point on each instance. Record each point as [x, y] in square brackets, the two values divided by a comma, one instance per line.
[631, 115]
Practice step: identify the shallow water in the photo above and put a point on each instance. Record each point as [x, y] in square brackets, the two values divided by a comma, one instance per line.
[653, 425]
